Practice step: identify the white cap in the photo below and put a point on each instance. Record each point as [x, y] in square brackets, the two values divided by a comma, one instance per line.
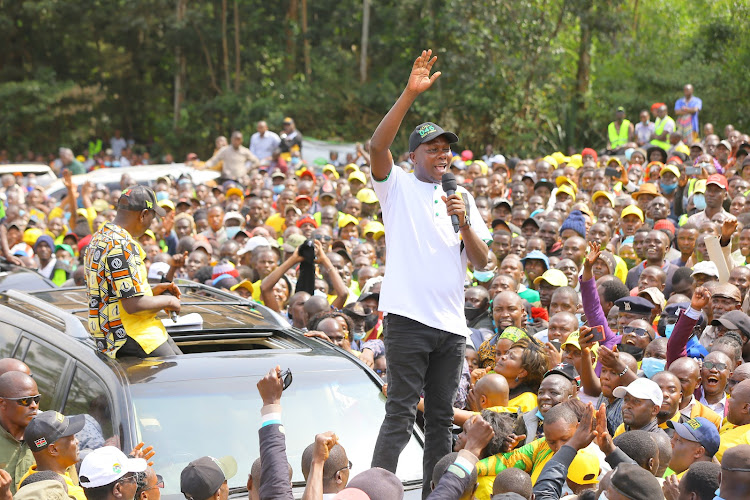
[233, 215]
[157, 270]
[641, 388]
[706, 267]
[253, 243]
[497, 159]
[106, 465]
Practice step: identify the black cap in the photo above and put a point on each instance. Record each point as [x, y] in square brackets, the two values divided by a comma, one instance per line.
[634, 305]
[735, 320]
[49, 426]
[566, 370]
[427, 132]
[634, 482]
[139, 198]
[203, 477]
[502, 224]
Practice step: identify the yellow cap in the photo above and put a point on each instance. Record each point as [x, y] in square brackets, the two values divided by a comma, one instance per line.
[682, 149]
[576, 161]
[347, 219]
[566, 180]
[167, 204]
[376, 229]
[482, 165]
[31, 235]
[235, 191]
[246, 284]
[150, 233]
[565, 188]
[670, 168]
[573, 339]
[367, 195]
[359, 176]
[632, 210]
[551, 160]
[554, 277]
[606, 194]
[330, 169]
[352, 167]
[560, 158]
[615, 160]
[700, 186]
[585, 468]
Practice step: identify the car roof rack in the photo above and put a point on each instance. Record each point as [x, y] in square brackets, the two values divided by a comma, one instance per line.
[72, 324]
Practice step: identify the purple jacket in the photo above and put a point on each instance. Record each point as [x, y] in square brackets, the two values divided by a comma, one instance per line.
[595, 316]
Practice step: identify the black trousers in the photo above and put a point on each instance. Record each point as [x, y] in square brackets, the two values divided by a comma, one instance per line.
[133, 349]
[419, 358]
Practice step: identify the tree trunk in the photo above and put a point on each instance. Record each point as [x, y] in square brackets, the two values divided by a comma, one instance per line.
[291, 48]
[224, 44]
[180, 67]
[583, 75]
[365, 41]
[305, 40]
[237, 59]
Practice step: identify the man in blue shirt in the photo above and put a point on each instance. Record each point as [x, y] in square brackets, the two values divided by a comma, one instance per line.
[687, 109]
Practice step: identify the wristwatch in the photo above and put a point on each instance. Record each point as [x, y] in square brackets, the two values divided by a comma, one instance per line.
[467, 222]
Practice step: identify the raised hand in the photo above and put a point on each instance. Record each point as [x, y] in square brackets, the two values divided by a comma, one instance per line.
[420, 79]
[179, 259]
[586, 430]
[478, 435]
[271, 386]
[324, 442]
[700, 299]
[586, 337]
[603, 439]
[728, 227]
[144, 452]
[594, 252]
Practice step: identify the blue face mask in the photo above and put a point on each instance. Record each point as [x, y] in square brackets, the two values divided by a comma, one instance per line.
[278, 189]
[484, 276]
[359, 335]
[699, 200]
[652, 366]
[668, 330]
[295, 160]
[668, 188]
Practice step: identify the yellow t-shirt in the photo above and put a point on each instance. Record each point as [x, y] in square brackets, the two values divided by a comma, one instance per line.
[277, 222]
[114, 271]
[733, 437]
[525, 402]
[74, 490]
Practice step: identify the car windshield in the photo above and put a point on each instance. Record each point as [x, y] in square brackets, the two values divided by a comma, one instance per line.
[188, 419]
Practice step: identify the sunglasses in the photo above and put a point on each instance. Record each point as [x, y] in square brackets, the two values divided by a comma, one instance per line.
[286, 378]
[710, 365]
[159, 484]
[322, 237]
[380, 372]
[640, 332]
[349, 466]
[26, 400]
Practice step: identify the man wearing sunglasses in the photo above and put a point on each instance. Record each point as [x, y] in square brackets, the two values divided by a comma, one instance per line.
[19, 404]
[51, 438]
[151, 486]
[122, 304]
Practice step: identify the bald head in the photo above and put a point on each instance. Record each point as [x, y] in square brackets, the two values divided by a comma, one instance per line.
[494, 388]
[16, 384]
[740, 394]
[688, 366]
[13, 365]
[735, 483]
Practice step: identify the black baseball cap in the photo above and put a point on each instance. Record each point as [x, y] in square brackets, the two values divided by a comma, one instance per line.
[566, 370]
[427, 132]
[636, 483]
[49, 426]
[139, 198]
[203, 477]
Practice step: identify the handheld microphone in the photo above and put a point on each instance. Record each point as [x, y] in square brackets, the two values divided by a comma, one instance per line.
[449, 186]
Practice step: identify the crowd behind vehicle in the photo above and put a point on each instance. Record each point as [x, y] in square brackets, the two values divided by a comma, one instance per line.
[608, 332]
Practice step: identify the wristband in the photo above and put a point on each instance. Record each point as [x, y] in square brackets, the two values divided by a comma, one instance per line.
[623, 372]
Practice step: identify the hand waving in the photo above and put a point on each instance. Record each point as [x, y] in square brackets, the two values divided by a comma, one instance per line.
[420, 79]
[594, 252]
[728, 227]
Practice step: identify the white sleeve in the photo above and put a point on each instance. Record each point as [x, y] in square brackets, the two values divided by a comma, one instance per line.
[385, 187]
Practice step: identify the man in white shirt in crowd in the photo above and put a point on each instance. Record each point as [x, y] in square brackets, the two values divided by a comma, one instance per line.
[264, 142]
[234, 157]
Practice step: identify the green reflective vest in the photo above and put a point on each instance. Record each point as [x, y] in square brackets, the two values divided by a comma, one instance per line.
[659, 129]
[618, 139]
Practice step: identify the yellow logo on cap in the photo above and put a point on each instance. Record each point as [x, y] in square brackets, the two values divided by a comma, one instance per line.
[60, 418]
[693, 423]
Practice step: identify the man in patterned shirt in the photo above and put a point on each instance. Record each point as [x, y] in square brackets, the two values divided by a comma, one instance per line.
[122, 304]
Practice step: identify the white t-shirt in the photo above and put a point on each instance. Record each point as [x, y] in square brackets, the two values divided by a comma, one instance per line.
[117, 145]
[424, 280]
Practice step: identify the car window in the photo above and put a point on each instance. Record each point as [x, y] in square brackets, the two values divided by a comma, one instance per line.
[8, 338]
[87, 397]
[47, 366]
[187, 419]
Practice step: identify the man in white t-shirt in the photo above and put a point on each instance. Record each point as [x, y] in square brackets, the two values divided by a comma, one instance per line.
[117, 143]
[422, 292]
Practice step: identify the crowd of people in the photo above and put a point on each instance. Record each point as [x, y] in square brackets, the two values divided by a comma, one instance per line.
[606, 321]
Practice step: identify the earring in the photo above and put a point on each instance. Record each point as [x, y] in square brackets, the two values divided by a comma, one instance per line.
[516, 378]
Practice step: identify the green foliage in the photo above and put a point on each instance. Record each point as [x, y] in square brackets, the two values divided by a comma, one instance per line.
[70, 71]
